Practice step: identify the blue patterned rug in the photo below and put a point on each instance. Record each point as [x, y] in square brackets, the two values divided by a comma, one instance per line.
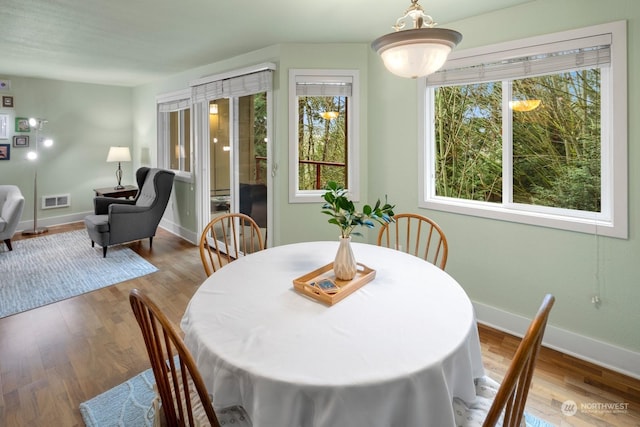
[130, 405]
[126, 405]
[55, 267]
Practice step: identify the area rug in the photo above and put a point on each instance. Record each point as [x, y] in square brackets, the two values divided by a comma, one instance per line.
[55, 267]
[130, 405]
[126, 405]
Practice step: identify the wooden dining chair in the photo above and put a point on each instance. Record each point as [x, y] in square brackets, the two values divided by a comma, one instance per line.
[507, 400]
[226, 238]
[183, 397]
[417, 235]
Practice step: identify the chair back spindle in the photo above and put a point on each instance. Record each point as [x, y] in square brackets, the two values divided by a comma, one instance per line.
[417, 235]
[226, 238]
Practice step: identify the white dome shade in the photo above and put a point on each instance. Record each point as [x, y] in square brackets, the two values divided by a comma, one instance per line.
[418, 52]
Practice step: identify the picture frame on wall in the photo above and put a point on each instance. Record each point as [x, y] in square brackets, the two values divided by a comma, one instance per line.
[20, 141]
[7, 101]
[22, 124]
[4, 126]
[5, 151]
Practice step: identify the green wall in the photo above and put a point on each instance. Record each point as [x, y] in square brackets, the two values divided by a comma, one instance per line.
[288, 224]
[84, 121]
[304, 221]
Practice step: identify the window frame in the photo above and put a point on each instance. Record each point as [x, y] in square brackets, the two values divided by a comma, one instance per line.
[353, 131]
[178, 101]
[613, 220]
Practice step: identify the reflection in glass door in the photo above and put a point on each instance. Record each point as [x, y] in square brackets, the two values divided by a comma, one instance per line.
[220, 155]
[238, 157]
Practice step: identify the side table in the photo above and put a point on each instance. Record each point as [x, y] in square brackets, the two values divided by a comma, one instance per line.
[127, 192]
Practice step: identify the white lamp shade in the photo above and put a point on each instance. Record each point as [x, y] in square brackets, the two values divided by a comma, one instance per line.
[119, 154]
[418, 52]
[415, 60]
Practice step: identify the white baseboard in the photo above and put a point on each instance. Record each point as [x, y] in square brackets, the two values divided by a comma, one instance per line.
[52, 221]
[79, 217]
[179, 231]
[600, 353]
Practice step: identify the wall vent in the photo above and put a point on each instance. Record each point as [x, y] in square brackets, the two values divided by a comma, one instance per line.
[57, 201]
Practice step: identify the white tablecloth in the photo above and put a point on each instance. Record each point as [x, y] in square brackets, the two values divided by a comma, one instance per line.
[394, 353]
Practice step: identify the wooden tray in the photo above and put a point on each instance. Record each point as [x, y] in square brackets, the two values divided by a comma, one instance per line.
[302, 284]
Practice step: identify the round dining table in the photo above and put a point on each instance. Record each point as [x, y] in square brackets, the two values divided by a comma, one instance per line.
[393, 353]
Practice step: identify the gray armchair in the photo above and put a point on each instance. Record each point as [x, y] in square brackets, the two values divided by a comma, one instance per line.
[11, 206]
[124, 220]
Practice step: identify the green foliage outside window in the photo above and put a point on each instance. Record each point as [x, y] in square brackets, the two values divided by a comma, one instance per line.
[260, 132]
[322, 141]
[556, 146]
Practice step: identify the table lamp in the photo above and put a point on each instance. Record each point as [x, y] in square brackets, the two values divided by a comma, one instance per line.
[119, 154]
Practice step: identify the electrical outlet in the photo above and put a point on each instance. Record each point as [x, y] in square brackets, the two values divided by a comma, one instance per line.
[596, 301]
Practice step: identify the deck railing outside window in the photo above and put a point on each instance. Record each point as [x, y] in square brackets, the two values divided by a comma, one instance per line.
[261, 166]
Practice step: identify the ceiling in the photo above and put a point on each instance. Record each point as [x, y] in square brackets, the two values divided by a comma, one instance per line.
[132, 42]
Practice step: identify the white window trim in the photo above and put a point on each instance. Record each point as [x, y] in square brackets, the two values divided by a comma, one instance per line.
[613, 221]
[353, 134]
[162, 132]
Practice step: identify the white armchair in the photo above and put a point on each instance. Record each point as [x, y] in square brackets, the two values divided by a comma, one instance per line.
[11, 205]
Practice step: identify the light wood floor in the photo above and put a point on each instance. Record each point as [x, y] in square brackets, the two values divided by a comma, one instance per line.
[55, 357]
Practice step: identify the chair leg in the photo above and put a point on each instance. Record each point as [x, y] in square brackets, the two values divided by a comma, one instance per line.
[150, 242]
[93, 244]
[104, 251]
[8, 243]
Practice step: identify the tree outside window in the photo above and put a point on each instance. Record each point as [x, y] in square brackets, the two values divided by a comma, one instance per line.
[322, 136]
[532, 131]
[555, 140]
[323, 132]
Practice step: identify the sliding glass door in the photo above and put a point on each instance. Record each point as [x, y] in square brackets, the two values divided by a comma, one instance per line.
[238, 157]
[232, 118]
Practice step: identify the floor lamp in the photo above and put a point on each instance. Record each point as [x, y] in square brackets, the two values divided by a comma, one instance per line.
[37, 124]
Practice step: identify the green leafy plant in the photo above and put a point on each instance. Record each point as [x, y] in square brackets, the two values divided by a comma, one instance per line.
[343, 212]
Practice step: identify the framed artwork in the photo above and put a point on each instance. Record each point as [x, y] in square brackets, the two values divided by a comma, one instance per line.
[5, 151]
[4, 126]
[22, 124]
[21, 141]
[7, 101]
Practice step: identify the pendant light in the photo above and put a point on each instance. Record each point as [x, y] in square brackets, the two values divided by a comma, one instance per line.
[418, 51]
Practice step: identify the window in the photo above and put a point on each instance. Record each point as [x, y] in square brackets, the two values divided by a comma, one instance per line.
[174, 133]
[323, 107]
[532, 131]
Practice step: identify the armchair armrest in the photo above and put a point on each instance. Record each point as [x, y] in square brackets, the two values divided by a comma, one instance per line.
[101, 204]
[115, 209]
